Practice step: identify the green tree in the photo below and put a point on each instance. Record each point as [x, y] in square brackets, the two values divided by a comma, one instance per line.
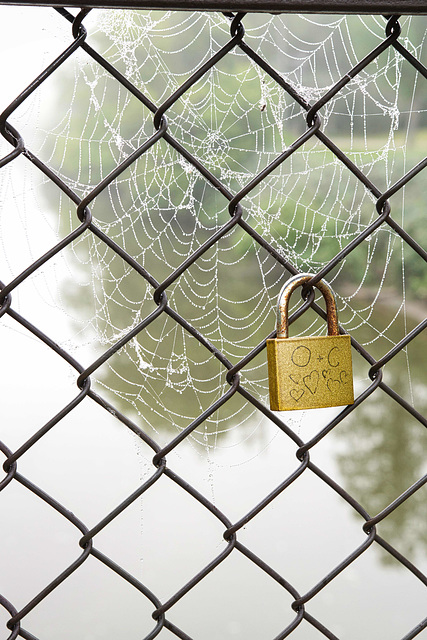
[236, 120]
[383, 454]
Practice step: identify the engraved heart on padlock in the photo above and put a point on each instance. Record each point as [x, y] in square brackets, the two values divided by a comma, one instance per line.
[296, 394]
[343, 376]
[312, 381]
[333, 385]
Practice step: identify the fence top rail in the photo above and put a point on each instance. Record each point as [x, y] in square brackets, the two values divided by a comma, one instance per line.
[382, 7]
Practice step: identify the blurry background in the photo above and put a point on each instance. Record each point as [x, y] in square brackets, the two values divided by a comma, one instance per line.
[82, 123]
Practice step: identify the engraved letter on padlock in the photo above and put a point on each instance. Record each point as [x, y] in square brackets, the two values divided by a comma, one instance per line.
[310, 372]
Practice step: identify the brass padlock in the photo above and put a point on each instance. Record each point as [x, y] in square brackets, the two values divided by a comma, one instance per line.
[312, 372]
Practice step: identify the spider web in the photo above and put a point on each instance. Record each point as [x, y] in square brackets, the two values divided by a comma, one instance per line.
[235, 120]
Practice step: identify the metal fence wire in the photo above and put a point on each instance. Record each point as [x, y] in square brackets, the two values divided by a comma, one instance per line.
[163, 611]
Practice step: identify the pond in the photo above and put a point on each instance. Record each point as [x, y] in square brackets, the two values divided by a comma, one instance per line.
[90, 463]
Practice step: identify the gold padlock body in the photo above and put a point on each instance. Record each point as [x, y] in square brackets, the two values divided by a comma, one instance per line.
[310, 373]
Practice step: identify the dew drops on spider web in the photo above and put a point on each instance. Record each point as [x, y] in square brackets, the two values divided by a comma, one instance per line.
[301, 209]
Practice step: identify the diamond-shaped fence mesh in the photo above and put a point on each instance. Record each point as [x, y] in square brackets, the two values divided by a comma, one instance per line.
[295, 602]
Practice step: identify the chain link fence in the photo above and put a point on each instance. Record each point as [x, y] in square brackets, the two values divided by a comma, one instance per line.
[162, 612]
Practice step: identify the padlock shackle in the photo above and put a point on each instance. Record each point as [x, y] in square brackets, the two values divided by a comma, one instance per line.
[283, 304]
